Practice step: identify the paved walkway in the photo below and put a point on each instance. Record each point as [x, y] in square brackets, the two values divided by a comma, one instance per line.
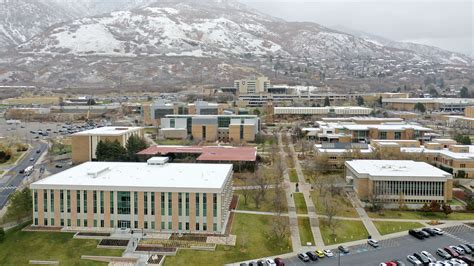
[295, 233]
[305, 188]
[369, 225]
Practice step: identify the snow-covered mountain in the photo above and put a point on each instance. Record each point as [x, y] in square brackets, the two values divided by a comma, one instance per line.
[213, 29]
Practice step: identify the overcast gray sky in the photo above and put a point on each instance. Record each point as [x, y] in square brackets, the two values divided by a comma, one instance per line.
[444, 23]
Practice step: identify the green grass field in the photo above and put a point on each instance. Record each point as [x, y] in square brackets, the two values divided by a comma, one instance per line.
[304, 227]
[293, 175]
[265, 206]
[253, 241]
[345, 207]
[385, 228]
[19, 247]
[417, 215]
[300, 203]
[346, 231]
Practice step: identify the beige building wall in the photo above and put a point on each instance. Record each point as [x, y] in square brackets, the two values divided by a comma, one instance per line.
[80, 149]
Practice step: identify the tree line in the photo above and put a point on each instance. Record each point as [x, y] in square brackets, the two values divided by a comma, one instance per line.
[113, 151]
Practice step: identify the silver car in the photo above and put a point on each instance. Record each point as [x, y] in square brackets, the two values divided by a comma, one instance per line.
[413, 260]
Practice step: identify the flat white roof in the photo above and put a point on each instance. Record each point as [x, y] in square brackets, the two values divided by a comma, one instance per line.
[446, 152]
[396, 168]
[127, 176]
[117, 130]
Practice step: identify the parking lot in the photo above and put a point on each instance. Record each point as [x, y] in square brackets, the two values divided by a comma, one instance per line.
[396, 248]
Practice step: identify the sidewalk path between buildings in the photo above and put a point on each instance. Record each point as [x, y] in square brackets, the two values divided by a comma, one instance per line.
[295, 233]
[369, 225]
[305, 188]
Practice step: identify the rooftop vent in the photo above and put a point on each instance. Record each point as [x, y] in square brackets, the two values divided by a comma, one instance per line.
[157, 160]
[96, 173]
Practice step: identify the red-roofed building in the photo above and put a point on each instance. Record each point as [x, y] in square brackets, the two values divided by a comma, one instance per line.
[240, 157]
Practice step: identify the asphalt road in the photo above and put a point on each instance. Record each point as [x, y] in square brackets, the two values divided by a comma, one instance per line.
[10, 181]
[396, 248]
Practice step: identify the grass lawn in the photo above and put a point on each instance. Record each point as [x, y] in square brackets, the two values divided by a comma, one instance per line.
[252, 242]
[300, 203]
[33, 100]
[304, 227]
[13, 159]
[20, 247]
[395, 214]
[345, 207]
[170, 142]
[346, 231]
[289, 161]
[385, 228]
[293, 175]
[265, 206]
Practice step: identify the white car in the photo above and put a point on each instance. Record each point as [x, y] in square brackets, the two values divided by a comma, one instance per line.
[458, 262]
[413, 260]
[270, 262]
[429, 256]
[438, 231]
[458, 250]
[374, 243]
[328, 253]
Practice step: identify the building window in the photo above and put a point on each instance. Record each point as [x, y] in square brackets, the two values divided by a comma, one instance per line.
[180, 204]
[35, 195]
[85, 202]
[170, 225]
[197, 205]
[135, 203]
[135, 224]
[94, 200]
[111, 202]
[145, 202]
[204, 205]
[203, 132]
[153, 204]
[170, 204]
[51, 192]
[62, 222]
[152, 225]
[102, 223]
[214, 227]
[102, 202]
[197, 226]
[162, 203]
[95, 223]
[187, 226]
[383, 135]
[45, 200]
[214, 204]
[68, 201]
[123, 202]
[462, 165]
[45, 221]
[241, 131]
[180, 226]
[204, 227]
[187, 205]
[68, 222]
[78, 202]
[85, 222]
[61, 201]
[162, 225]
[36, 221]
[398, 135]
[145, 225]
[52, 221]
[172, 123]
[78, 222]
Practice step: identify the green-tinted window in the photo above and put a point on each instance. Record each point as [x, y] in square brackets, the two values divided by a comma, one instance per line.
[111, 202]
[162, 225]
[94, 194]
[85, 201]
[214, 227]
[78, 222]
[78, 202]
[187, 204]
[85, 222]
[152, 203]
[170, 225]
[52, 221]
[123, 202]
[35, 195]
[61, 200]
[68, 200]
[162, 203]
[214, 204]
[52, 200]
[180, 226]
[180, 204]
[204, 205]
[197, 204]
[145, 202]
[153, 225]
[68, 222]
[170, 204]
[135, 203]
[102, 202]
[45, 200]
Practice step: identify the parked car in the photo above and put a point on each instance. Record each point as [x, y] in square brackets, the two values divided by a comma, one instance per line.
[374, 243]
[459, 250]
[413, 260]
[320, 253]
[422, 258]
[260, 263]
[270, 262]
[416, 233]
[438, 231]
[279, 262]
[458, 262]
[471, 246]
[312, 256]
[58, 166]
[443, 254]
[243, 264]
[428, 255]
[390, 263]
[303, 257]
[466, 248]
[467, 260]
[343, 249]
[425, 234]
[22, 171]
[399, 263]
[452, 252]
[253, 263]
[429, 231]
[328, 253]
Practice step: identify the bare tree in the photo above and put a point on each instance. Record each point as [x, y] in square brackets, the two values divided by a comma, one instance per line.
[246, 190]
[262, 181]
[331, 209]
[278, 199]
[279, 229]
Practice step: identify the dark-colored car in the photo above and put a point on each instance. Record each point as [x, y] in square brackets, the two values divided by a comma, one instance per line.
[260, 263]
[429, 231]
[243, 264]
[22, 171]
[253, 263]
[451, 252]
[343, 249]
[466, 248]
[312, 256]
[416, 233]
[279, 262]
[422, 258]
[467, 260]
[38, 151]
